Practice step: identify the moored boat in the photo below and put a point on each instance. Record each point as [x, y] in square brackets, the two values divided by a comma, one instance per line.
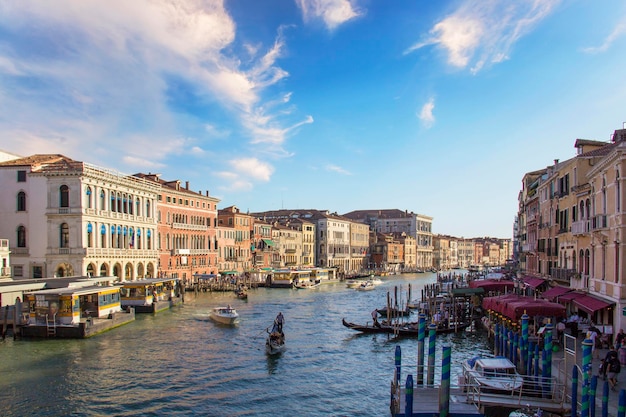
[306, 284]
[400, 329]
[224, 315]
[492, 374]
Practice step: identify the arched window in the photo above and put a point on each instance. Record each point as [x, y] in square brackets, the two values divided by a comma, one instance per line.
[102, 200]
[21, 201]
[21, 237]
[138, 207]
[603, 196]
[64, 196]
[89, 235]
[64, 236]
[148, 212]
[88, 197]
[103, 236]
[618, 193]
[148, 240]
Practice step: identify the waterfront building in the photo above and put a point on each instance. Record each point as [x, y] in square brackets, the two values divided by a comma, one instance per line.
[187, 225]
[409, 250]
[387, 252]
[332, 234]
[288, 240]
[5, 259]
[454, 253]
[238, 225]
[608, 228]
[73, 218]
[393, 220]
[577, 205]
[465, 253]
[264, 251]
[359, 246]
[441, 252]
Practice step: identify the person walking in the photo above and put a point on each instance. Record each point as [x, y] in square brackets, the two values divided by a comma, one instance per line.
[614, 369]
[622, 352]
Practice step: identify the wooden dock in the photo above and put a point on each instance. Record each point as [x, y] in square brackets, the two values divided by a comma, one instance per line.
[426, 404]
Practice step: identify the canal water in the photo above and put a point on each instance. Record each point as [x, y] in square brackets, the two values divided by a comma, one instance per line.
[179, 362]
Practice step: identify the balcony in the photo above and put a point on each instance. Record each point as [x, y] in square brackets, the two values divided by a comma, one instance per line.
[5, 272]
[581, 227]
[185, 226]
[529, 247]
[599, 222]
[19, 251]
[562, 274]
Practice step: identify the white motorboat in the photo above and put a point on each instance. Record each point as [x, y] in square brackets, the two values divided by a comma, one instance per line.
[353, 283]
[307, 284]
[492, 374]
[366, 286]
[224, 315]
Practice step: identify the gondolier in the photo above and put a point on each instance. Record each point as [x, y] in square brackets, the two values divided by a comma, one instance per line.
[280, 320]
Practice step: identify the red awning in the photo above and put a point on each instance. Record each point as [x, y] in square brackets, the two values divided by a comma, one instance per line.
[514, 306]
[533, 282]
[492, 285]
[554, 292]
[591, 304]
[567, 297]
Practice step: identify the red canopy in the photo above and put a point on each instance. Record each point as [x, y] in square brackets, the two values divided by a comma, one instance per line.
[533, 282]
[514, 306]
[554, 292]
[591, 304]
[492, 285]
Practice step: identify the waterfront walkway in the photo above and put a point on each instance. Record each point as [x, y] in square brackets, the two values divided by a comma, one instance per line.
[562, 364]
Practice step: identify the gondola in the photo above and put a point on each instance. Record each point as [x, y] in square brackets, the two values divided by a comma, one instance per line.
[394, 312]
[404, 329]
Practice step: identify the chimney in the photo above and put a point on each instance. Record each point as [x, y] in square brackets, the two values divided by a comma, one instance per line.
[207, 193]
[556, 161]
[186, 185]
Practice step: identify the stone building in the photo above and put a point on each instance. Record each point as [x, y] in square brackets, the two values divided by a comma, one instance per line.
[65, 217]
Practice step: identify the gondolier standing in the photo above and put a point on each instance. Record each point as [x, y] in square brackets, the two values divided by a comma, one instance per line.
[280, 320]
[375, 318]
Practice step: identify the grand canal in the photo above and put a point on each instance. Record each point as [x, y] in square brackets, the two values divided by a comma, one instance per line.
[180, 363]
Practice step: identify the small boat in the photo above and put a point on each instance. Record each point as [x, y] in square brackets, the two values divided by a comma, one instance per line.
[400, 329]
[242, 295]
[275, 342]
[366, 286]
[305, 285]
[224, 315]
[496, 375]
[353, 283]
[394, 312]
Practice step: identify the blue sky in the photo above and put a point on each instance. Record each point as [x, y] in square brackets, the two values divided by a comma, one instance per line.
[436, 107]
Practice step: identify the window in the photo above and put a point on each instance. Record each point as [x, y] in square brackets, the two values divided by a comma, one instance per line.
[21, 176]
[21, 237]
[21, 201]
[89, 235]
[88, 194]
[37, 272]
[18, 271]
[64, 196]
[64, 236]
[102, 200]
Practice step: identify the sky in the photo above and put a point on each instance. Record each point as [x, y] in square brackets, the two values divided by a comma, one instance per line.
[434, 107]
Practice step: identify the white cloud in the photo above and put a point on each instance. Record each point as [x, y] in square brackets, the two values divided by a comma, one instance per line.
[426, 114]
[333, 12]
[483, 33]
[337, 169]
[104, 79]
[618, 31]
[141, 163]
[253, 168]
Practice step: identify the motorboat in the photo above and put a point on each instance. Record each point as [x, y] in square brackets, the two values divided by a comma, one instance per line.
[492, 374]
[305, 285]
[353, 283]
[366, 286]
[224, 315]
[376, 281]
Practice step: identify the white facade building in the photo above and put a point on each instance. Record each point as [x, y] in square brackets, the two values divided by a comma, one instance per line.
[66, 217]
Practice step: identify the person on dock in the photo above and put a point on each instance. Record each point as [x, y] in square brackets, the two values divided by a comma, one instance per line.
[611, 355]
[614, 369]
